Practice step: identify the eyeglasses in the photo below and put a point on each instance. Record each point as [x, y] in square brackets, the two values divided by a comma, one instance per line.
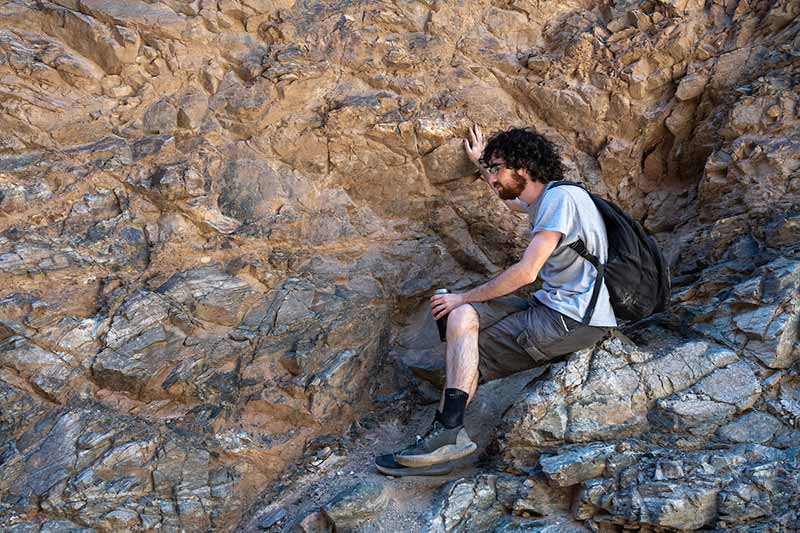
[494, 168]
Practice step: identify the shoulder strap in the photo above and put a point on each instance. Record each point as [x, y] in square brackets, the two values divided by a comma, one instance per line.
[580, 248]
[559, 183]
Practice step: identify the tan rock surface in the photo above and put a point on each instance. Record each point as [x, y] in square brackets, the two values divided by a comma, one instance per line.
[220, 222]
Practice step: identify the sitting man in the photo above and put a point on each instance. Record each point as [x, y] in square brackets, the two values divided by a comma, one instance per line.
[491, 335]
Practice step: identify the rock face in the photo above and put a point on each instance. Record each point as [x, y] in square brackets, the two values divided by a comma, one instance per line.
[220, 223]
[673, 442]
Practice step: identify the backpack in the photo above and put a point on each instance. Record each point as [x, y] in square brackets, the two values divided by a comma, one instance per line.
[636, 273]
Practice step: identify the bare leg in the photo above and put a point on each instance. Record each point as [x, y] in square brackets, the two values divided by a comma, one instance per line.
[462, 351]
[447, 439]
[473, 388]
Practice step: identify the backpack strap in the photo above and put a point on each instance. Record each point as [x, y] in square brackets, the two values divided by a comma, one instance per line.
[580, 248]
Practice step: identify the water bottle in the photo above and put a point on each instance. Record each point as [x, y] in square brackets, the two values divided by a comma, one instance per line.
[441, 322]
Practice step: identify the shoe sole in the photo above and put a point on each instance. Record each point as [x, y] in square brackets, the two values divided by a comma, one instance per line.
[403, 471]
[451, 452]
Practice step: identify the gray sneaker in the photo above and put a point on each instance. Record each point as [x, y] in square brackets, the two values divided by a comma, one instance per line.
[437, 446]
[386, 464]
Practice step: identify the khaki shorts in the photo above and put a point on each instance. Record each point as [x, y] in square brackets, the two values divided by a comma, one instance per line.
[518, 334]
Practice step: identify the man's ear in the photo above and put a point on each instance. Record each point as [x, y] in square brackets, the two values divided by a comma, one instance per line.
[524, 173]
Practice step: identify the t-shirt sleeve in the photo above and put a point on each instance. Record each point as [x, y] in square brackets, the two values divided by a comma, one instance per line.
[557, 212]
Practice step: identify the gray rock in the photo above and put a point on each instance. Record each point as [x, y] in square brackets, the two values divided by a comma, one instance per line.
[93, 208]
[252, 190]
[136, 328]
[17, 408]
[272, 518]
[682, 507]
[177, 182]
[160, 117]
[50, 374]
[192, 109]
[787, 404]
[682, 367]
[667, 488]
[120, 519]
[760, 315]
[209, 294]
[549, 524]
[786, 438]
[611, 403]
[536, 496]
[610, 392]
[766, 488]
[703, 407]
[49, 526]
[734, 385]
[356, 505]
[469, 504]
[36, 256]
[151, 351]
[753, 427]
[576, 464]
[114, 471]
[691, 86]
[540, 418]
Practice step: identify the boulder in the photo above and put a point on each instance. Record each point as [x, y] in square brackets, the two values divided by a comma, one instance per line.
[466, 505]
[675, 490]
[160, 117]
[691, 86]
[612, 391]
[115, 471]
[356, 506]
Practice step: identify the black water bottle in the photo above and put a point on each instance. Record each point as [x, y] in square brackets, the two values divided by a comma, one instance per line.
[441, 322]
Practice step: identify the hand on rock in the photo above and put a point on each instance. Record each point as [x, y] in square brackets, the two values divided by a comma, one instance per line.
[474, 144]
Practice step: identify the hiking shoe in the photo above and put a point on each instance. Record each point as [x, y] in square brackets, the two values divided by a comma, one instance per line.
[386, 464]
[439, 445]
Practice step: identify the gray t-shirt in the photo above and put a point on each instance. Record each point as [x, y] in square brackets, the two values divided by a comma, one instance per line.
[568, 278]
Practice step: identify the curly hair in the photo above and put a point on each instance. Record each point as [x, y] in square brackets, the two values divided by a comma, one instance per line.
[524, 148]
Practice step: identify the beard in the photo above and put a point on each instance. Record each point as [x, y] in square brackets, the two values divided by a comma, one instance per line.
[512, 191]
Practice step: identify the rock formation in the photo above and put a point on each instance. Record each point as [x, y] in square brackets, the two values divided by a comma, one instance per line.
[220, 222]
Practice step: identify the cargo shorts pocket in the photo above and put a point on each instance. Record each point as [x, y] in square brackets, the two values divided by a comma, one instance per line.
[543, 335]
[526, 341]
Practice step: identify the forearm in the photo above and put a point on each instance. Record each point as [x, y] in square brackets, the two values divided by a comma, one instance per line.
[507, 282]
[522, 273]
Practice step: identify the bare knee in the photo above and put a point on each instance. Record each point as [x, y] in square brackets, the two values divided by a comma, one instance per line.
[463, 320]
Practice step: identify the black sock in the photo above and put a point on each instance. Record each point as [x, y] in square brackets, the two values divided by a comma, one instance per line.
[455, 402]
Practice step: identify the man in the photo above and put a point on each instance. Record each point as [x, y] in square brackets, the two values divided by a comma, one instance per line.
[491, 335]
